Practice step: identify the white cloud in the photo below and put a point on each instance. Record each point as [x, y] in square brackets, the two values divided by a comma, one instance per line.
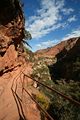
[50, 43]
[67, 11]
[74, 33]
[72, 19]
[46, 44]
[46, 18]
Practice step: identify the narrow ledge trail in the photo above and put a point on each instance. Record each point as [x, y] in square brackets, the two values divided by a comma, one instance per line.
[15, 105]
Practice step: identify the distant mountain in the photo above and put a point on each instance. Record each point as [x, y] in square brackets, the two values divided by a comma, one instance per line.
[53, 51]
[67, 62]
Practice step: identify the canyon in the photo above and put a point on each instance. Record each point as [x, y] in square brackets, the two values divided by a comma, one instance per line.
[57, 66]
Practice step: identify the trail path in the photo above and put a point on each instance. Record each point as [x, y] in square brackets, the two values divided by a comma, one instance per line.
[15, 104]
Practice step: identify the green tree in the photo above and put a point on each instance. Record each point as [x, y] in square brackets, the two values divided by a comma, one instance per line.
[27, 37]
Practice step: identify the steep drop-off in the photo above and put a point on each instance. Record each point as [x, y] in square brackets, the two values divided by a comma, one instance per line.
[59, 67]
[68, 62]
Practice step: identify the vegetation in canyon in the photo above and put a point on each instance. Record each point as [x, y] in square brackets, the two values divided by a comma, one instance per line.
[58, 67]
[64, 76]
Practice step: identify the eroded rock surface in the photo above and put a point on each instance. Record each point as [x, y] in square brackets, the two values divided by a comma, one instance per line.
[12, 97]
[11, 31]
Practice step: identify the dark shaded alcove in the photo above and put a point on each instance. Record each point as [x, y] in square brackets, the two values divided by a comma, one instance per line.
[8, 10]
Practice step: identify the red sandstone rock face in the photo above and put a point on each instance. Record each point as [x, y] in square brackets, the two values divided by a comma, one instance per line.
[53, 51]
[13, 103]
[11, 32]
[11, 24]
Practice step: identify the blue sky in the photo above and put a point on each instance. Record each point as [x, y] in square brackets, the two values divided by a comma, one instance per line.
[51, 21]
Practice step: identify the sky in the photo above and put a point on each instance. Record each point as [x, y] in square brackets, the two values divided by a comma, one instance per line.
[51, 21]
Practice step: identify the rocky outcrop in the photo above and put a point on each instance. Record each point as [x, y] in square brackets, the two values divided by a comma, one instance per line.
[11, 31]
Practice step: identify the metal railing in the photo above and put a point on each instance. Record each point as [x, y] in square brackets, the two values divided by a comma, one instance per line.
[23, 89]
[54, 90]
[44, 111]
[47, 115]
